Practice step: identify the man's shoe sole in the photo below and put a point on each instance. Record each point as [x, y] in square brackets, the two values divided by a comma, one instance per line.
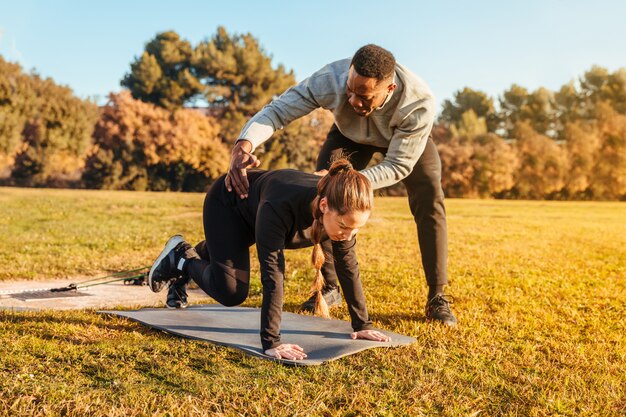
[170, 245]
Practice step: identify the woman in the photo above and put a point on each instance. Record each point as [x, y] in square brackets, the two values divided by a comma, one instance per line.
[285, 209]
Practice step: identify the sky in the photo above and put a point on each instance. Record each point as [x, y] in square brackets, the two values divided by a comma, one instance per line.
[485, 45]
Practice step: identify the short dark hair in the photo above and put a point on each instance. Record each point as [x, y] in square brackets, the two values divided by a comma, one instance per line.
[372, 61]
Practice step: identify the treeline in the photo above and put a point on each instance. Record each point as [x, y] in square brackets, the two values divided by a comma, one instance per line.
[173, 126]
[147, 137]
[44, 129]
[568, 144]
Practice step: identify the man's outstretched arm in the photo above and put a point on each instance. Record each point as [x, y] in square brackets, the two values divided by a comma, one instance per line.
[319, 90]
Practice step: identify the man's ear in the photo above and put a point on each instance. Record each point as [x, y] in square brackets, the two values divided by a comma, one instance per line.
[323, 204]
[391, 87]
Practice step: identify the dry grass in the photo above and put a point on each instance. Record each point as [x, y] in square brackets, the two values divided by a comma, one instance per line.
[539, 291]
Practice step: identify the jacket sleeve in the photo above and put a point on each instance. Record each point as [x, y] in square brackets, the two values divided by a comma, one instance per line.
[347, 268]
[270, 234]
[406, 146]
[299, 100]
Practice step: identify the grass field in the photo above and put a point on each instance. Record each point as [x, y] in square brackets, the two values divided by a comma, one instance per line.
[539, 288]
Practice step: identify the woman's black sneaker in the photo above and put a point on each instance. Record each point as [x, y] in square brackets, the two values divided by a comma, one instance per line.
[331, 295]
[438, 309]
[165, 268]
[177, 293]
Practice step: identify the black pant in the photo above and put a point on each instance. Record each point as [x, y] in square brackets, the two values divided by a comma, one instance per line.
[425, 194]
[224, 271]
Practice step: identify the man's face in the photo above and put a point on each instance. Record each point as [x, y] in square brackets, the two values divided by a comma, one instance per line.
[366, 94]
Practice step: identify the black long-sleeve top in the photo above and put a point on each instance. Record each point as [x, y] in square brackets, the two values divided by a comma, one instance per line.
[278, 207]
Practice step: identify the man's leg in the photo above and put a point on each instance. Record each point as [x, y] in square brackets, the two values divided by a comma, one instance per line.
[359, 155]
[426, 201]
[336, 143]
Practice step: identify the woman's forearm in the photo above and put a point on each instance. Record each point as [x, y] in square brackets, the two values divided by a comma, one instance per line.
[347, 267]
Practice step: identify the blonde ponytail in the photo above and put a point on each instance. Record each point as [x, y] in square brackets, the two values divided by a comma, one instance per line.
[345, 190]
[318, 259]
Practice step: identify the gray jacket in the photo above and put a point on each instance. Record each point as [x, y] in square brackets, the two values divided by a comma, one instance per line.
[402, 124]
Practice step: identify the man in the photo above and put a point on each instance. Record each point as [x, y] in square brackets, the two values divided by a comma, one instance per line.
[379, 106]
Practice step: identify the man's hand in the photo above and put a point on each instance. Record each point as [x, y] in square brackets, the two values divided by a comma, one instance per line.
[370, 335]
[286, 351]
[240, 160]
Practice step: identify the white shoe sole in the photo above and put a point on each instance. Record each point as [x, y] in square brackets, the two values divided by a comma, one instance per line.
[171, 244]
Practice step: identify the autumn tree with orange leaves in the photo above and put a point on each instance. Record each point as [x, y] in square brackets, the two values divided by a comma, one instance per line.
[140, 146]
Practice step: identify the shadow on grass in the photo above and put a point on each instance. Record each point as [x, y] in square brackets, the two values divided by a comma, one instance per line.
[164, 376]
[392, 319]
[84, 319]
[388, 320]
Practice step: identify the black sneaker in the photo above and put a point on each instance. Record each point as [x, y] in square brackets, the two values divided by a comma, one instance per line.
[331, 295]
[438, 309]
[177, 293]
[165, 268]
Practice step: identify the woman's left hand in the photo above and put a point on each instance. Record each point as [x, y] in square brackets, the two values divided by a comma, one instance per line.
[370, 335]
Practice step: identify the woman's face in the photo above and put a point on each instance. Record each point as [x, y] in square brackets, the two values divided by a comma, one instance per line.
[342, 227]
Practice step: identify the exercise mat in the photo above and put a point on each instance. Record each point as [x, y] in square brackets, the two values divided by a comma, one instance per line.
[238, 327]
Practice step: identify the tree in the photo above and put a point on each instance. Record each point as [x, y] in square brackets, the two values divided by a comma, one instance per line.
[140, 146]
[567, 103]
[18, 102]
[232, 73]
[475, 163]
[599, 85]
[238, 73]
[538, 109]
[457, 169]
[540, 112]
[543, 164]
[615, 90]
[238, 76]
[495, 164]
[469, 125]
[608, 179]
[582, 141]
[163, 75]
[47, 129]
[465, 100]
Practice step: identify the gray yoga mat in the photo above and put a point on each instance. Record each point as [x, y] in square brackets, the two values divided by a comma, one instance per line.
[322, 339]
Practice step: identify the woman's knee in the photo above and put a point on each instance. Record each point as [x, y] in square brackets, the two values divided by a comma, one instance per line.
[226, 285]
[233, 300]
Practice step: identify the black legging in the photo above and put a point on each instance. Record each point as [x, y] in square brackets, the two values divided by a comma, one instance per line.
[224, 271]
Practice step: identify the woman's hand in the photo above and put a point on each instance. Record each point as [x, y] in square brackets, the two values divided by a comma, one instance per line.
[371, 335]
[286, 351]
